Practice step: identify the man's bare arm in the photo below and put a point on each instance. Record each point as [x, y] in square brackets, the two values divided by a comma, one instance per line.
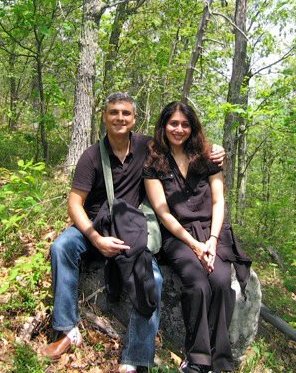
[108, 246]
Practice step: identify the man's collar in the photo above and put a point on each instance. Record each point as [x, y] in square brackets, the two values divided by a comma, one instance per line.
[110, 150]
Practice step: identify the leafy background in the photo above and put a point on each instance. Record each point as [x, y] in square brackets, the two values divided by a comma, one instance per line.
[39, 42]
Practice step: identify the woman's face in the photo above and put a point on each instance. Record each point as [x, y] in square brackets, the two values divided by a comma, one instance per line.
[177, 129]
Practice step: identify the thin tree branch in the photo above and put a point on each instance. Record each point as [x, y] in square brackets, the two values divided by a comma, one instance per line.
[193, 104]
[258, 39]
[100, 322]
[219, 72]
[265, 100]
[285, 56]
[71, 9]
[46, 55]
[253, 154]
[65, 15]
[34, 27]
[231, 22]
[22, 74]
[136, 7]
[257, 13]
[106, 6]
[2, 46]
[15, 40]
[214, 41]
[61, 9]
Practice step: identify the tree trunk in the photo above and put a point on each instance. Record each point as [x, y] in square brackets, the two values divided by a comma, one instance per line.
[242, 152]
[42, 108]
[232, 119]
[166, 94]
[196, 53]
[12, 121]
[267, 161]
[241, 174]
[35, 106]
[108, 81]
[119, 19]
[123, 11]
[147, 121]
[266, 171]
[84, 91]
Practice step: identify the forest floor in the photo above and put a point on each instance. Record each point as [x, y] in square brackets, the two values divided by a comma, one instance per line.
[270, 352]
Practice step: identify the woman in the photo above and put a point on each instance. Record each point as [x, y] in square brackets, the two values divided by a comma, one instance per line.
[186, 190]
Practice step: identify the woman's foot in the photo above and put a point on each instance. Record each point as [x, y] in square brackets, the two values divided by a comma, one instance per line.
[187, 367]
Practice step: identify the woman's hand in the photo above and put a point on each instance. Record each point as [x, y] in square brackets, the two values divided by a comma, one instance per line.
[211, 245]
[201, 251]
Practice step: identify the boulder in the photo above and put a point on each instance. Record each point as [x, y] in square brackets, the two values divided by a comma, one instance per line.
[244, 322]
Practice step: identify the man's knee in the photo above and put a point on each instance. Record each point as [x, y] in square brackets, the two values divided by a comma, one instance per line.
[59, 248]
[64, 249]
[70, 242]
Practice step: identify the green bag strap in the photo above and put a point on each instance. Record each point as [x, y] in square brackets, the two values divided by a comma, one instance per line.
[107, 173]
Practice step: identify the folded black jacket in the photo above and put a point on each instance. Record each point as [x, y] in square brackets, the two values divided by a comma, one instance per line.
[132, 269]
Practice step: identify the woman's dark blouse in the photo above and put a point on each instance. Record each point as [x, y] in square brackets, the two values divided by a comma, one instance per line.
[188, 199]
[190, 202]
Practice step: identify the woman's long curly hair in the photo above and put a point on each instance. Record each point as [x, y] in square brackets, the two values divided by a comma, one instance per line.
[196, 146]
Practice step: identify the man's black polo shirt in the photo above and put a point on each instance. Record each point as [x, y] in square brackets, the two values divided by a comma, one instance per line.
[127, 176]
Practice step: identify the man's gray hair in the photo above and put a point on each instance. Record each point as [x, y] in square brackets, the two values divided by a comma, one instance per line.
[120, 96]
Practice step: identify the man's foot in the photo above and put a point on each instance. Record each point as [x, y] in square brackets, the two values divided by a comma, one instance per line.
[187, 367]
[55, 350]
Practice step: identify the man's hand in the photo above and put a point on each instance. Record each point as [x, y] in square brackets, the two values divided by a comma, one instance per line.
[217, 154]
[108, 246]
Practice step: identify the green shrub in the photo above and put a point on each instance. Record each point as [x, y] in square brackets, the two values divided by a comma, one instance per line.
[26, 360]
[29, 201]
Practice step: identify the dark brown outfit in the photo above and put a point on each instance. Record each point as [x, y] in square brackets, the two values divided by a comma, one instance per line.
[127, 180]
[127, 223]
[207, 299]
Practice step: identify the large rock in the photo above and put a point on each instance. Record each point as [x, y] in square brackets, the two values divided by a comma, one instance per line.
[244, 321]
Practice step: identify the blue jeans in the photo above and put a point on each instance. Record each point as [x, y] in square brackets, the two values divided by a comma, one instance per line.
[66, 252]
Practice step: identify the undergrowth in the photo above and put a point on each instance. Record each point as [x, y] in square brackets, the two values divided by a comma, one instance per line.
[26, 360]
[33, 209]
[278, 279]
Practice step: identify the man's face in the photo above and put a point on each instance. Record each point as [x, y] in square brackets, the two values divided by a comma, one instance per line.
[119, 118]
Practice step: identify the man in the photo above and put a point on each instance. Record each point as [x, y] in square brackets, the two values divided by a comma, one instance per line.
[127, 155]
